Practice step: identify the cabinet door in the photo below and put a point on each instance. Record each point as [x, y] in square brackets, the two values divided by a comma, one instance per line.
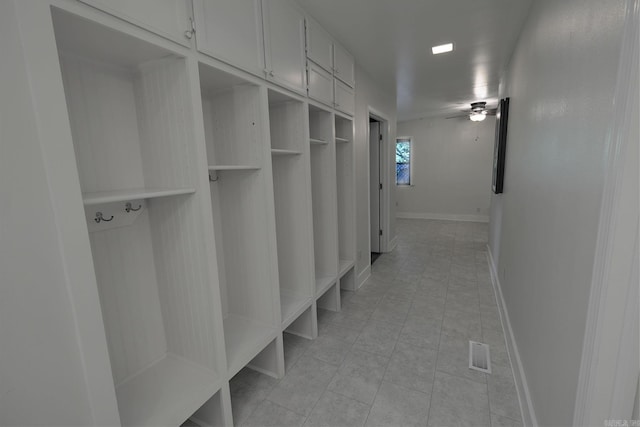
[344, 65]
[231, 31]
[284, 44]
[345, 98]
[170, 18]
[319, 45]
[320, 84]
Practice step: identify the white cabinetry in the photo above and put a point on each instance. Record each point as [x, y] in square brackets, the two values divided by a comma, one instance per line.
[343, 65]
[170, 18]
[320, 84]
[283, 25]
[344, 98]
[328, 63]
[131, 116]
[319, 45]
[231, 31]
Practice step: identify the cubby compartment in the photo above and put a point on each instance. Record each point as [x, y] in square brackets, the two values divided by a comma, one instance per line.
[345, 184]
[237, 144]
[323, 192]
[292, 205]
[233, 123]
[216, 412]
[131, 119]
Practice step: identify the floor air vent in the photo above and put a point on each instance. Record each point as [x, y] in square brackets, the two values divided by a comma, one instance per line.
[479, 358]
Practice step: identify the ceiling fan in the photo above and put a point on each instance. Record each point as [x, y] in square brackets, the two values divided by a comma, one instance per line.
[477, 113]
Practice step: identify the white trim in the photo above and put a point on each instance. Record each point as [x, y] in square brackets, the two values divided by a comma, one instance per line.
[363, 276]
[445, 217]
[595, 370]
[385, 203]
[393, 243]
[524, 396]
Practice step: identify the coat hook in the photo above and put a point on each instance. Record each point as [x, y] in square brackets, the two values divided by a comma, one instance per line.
[99, 218]
[129, 208]
[211, 179]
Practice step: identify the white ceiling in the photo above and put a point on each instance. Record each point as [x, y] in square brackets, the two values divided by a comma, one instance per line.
[392, 40]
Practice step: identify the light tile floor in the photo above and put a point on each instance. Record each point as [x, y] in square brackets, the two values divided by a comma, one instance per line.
[397, 353]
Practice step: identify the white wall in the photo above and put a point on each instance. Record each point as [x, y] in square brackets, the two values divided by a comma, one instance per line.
[369, 95]
[561, 80]
[452, 164]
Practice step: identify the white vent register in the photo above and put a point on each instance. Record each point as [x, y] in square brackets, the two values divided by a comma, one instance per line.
[479, 357]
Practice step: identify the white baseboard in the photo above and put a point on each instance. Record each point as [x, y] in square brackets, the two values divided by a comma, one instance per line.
[524, 396]
[363, 276]
[445, 217]
[393, 243]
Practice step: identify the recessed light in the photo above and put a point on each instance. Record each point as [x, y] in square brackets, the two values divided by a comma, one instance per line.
[443, 48]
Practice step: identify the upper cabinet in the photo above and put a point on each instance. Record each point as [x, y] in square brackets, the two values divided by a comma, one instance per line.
[170, 18]
[330, 68]
[319, 45]
[284, 46]
[231, 30]
[344, 98]
[343, 65]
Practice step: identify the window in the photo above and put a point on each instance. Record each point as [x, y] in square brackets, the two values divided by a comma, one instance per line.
[403, 161]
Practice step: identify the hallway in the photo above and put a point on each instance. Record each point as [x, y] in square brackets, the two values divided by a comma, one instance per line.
[397, 353]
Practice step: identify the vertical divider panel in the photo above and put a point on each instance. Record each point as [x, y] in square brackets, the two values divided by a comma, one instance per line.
[345, 180]
[289, 135]
[323, 189]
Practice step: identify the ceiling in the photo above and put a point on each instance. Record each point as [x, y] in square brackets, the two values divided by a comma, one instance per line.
[392, 40]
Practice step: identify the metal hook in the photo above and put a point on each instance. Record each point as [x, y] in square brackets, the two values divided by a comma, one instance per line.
[213, 179]
[99, 218]
[129, 208]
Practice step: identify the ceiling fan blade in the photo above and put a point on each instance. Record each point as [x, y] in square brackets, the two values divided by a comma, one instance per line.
[492, 111]
[458, 116]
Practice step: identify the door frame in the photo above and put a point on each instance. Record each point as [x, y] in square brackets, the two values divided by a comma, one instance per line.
[385, 130]
[375, 150]
[605, 366]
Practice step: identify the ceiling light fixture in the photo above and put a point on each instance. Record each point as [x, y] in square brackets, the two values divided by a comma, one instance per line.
[478, 116]
[443, 48]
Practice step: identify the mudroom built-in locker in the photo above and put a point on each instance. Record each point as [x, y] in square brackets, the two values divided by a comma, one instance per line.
[217, 198]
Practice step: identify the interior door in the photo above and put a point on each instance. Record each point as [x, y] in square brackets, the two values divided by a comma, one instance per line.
[374, 168]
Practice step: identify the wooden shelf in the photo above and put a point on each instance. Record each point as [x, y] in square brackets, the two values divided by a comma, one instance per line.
[323, 284]
[339, 139]
[344, 266]
[165, 393]
[279, 152]
[244, 339]
[291, 307]
[233, 168]
[100, 197]
[318, 141]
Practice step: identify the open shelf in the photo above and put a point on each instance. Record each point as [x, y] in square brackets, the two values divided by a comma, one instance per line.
[339, 139]
[133, 194]
[292, 306]
[277, 152]
[245, 338]
[292, 204]
[345, 196]
[233, 168]
[324, 283]
[130, 111]
[150, 397]
[236, 136]
[323, 194]
[344, 266]
[318, 141]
